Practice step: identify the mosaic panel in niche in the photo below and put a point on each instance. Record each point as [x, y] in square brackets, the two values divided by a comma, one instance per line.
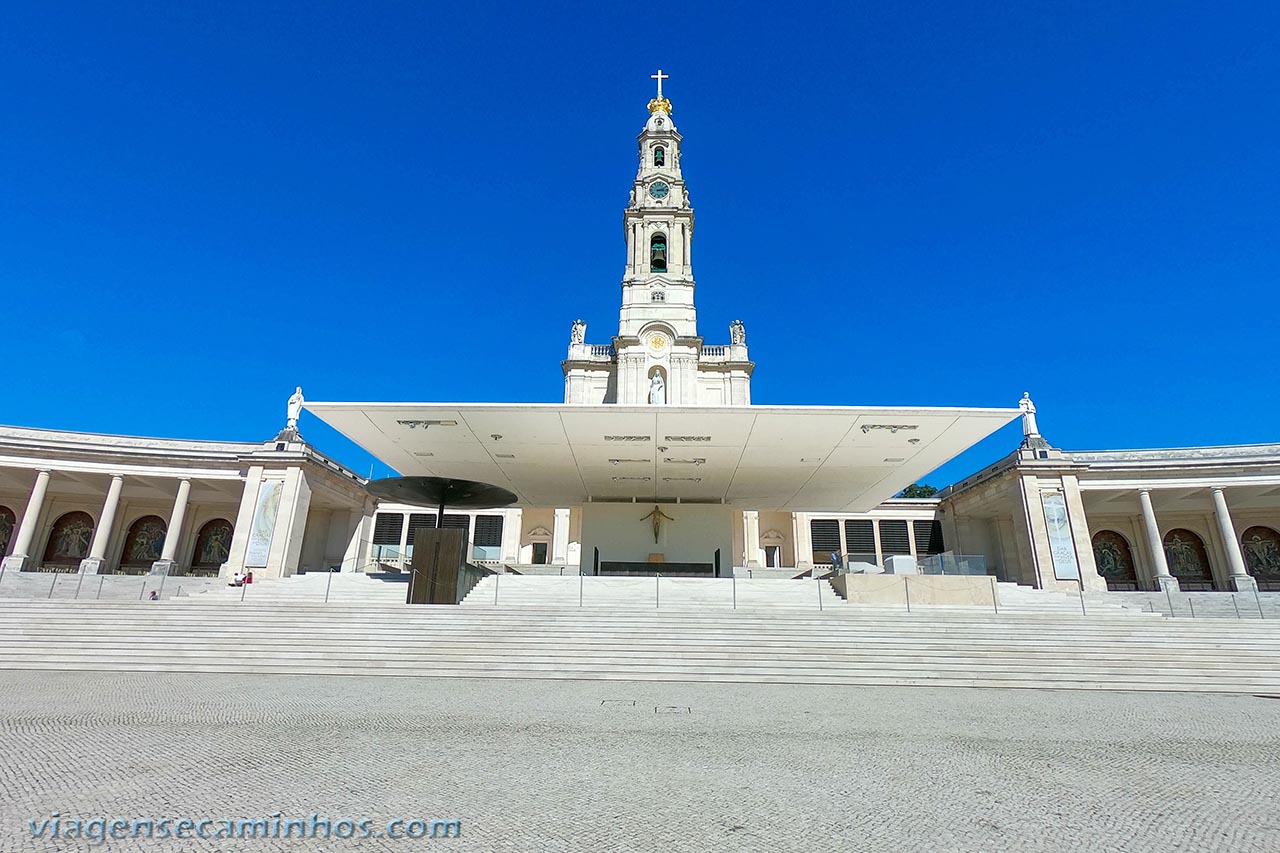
[1114, 557]
[213, 544]
[1261, 547]
[69, 540]
[7, 522]
[1187, 557]
[144, 542]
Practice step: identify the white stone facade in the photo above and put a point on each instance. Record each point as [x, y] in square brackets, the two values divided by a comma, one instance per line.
[1197, 518]
[121, 504]
[1202, 518]
[657, 355]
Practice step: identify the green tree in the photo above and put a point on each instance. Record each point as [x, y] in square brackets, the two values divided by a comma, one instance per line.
[918, 490]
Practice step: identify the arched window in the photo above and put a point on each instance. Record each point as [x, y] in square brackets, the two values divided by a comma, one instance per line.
[658, 296]
[69, 540]
[1115, 560]
[658, 253]
[7, 522]
[1261, 547]
[143, 542]
[213, 546]
[1188, 560]
[659, 156]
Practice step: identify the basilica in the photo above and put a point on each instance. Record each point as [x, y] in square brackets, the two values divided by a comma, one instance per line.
[656, 461]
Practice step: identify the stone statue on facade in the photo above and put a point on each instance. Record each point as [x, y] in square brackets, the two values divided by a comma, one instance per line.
[579, 333]
[295, 409]
[1028, 408]
[657, 390]
[737, 333]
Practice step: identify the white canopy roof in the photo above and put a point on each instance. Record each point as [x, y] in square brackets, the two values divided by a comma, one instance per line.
[796, 458]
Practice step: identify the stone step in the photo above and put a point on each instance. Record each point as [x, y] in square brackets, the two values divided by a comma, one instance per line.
[1259, 665]
[913, 676]
[844, 646]
[1014, 625]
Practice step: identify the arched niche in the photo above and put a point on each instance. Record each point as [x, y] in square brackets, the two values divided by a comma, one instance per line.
[213, 546]
[143, 543]
[658, 252]
[69, 539]
[1114, 558]
[8, 522]
[1188, 560]
[1261, 548]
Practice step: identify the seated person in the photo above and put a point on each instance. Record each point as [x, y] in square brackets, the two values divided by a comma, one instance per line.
[237, 580]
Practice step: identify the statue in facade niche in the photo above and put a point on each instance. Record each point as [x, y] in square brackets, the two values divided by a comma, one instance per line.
[579, 333]
[737, 332]
[295, 409]
[657, 390]
[1028, 408]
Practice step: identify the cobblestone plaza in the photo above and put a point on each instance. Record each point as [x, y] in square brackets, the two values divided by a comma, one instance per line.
[538, 765]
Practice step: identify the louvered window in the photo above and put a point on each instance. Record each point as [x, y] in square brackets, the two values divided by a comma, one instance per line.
[488, 530]
[826, 535]
[387, 527]
[859, 536]
[427, 521]
[928, 537]
[893, 537]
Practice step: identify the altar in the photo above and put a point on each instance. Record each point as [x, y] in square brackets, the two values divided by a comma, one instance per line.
[690, 540]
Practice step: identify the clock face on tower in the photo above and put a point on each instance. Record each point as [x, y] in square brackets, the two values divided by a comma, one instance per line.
[658, 190]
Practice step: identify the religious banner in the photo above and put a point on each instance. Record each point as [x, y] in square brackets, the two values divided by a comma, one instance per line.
[264, 524]
[1066, 566]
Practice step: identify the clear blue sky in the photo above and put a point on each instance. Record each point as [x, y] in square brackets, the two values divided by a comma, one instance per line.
[202, 205]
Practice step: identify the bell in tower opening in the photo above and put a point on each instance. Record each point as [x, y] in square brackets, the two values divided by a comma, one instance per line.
[659, 156]
[658, 253]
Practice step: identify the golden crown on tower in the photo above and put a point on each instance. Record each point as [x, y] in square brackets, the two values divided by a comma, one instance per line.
[659, 105]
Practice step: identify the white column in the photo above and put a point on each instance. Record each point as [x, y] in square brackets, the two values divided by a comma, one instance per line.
[244, 523]
[512, 527]
[173, 536]
[751, 555]
[560, 538]
[1240, 577]
[27, 529]
[404, 537]
[360, 524]
[1155, 544]
[285, 555]
[97, 558]
[802, 536]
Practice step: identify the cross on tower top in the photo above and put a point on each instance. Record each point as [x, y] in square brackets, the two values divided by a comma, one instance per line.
[659, 77]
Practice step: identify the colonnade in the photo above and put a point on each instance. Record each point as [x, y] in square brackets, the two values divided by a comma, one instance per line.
[1241, 580]
[23, 558]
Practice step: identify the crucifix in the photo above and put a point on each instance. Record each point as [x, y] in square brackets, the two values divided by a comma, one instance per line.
[657, 515]
[659, 77]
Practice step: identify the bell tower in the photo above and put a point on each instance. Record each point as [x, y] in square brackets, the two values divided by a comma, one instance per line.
[658, 223]
[657, 357]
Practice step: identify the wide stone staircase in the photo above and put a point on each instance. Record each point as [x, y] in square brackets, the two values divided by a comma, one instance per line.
[841, 644]
[344, 587]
